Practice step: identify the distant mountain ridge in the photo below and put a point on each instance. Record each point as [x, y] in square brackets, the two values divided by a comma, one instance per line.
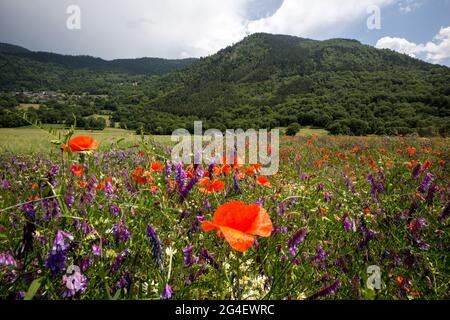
[144, 66]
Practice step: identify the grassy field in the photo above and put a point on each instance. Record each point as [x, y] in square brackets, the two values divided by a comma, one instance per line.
[32, 140]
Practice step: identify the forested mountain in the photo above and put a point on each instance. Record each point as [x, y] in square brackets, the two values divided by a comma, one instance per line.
[264, 81]
[142, 66]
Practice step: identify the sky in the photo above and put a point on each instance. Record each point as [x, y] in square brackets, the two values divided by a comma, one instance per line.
[113, 29]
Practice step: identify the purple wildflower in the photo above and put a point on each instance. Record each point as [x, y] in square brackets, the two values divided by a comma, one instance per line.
[426, 183]
[156, 245]
[327, 196]
[416, 171]
[4, 184]
[188, 259]
[236, 185]
[180, 176]
[75, 283]
[320, 254]
[185, 191]
[119, 260]
[7, 260]
[86, 263]
[121, 232]
[96, 250]
[56, 259]
[69, 199]
[205, 256]
[167, 292]
[295, 240]
[115, 210]
[445, 212]
[347, 223]
[124, 281]
[330, 290]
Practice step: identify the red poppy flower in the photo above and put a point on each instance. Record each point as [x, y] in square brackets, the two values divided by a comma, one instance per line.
[411, 151]
[226, 169]
[156, 166]
[82, 143]
[208, 186]
[263, 181]
[77, 170]
[239, 224]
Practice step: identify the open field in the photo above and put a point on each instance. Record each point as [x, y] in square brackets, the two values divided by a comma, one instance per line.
[31, 140]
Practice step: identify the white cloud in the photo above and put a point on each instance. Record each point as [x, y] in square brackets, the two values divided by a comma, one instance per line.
[435, 51]
[311, 18]
[169, 28]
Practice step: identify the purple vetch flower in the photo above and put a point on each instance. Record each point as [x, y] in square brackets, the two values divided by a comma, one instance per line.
[304, 177]
[320, 187]
[236, 186]
[185, 191]
[56, 258]
[327, 196]
[207, 204]
[376, 187]
[156, 245]
[426, 183]
[86, 263]
[211, 170]
[121, 232]
[7, 260]
[128, 185]
[180, 176]
[28, 229]
[194, 275]
[96, 250]
[109, 190]
[115, 210]
[417, 224]
[330, 290]
[86, 228]
[168, 169]
[69, 198]
[87, 198]
[347, 223]
[416, 171]
[445, 212]
[5, 184]
[119, 260]
[20, 295]
[167, 292]
[75, 283]
[320, 254]
[430, 195]
[422, 244]
[124, 281]
[52, 174]
[297, 238]
[188, 259]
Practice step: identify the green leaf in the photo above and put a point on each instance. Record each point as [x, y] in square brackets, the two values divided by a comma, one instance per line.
[117, 295]
[34, 287]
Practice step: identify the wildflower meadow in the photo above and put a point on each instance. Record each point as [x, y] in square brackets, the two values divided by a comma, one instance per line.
[343, 218]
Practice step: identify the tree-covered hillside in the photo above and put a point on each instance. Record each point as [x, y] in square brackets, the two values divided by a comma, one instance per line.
[264, 81]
